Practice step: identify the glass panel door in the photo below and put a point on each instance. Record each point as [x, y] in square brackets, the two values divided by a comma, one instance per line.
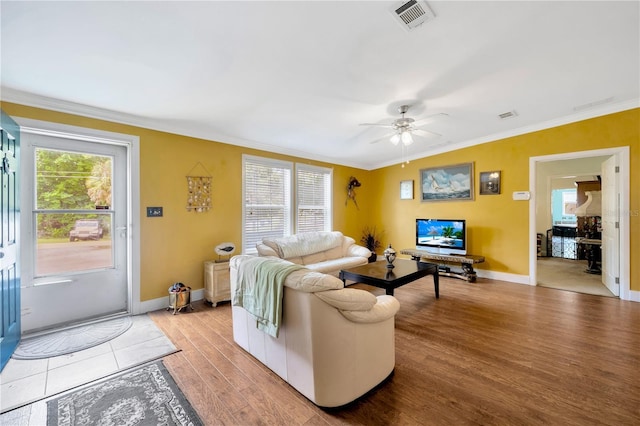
[79, 240]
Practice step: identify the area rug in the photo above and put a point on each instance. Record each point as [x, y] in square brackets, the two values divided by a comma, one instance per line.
[71, 339]
[146, 395]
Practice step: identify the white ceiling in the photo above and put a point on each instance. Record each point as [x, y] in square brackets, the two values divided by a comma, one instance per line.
[298, 77]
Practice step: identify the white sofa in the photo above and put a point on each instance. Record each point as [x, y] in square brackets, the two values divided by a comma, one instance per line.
[326, 252]
[334, 343]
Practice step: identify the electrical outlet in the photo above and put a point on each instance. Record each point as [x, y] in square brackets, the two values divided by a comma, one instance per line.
[154, 211]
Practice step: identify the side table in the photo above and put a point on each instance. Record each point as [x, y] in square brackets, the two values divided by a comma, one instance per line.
[217, 286]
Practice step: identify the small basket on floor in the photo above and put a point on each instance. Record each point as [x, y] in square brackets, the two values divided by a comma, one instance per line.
[179, 297]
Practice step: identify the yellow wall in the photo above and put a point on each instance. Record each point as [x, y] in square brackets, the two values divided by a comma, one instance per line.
[174, 247]
[497, 225]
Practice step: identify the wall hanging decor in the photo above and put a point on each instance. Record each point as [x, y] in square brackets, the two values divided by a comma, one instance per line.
[351, 193]
[198, 190]
[406, 190]
[447, 183]
[490, 183]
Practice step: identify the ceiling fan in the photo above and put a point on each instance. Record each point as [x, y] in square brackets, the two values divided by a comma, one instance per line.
[404, 127]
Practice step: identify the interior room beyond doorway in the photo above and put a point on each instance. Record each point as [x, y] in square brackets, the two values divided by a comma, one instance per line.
[563, 262]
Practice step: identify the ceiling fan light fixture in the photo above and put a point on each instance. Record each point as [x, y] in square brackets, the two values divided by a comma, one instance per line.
[395, 139]
[406, 138]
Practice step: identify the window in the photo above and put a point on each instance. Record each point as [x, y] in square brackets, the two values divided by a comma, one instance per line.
[563, 206]
[569, 199]
[269, 200]
[313, 189]
[72, 203]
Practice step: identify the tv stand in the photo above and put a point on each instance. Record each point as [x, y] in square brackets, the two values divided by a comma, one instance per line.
[465, 261]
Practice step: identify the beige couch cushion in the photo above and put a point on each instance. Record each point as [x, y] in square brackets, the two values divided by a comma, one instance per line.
[331, 266]
[305, 243]
[311, 281]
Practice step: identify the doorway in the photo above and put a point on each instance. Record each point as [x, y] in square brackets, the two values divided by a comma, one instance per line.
[572, 165]
[77, 216]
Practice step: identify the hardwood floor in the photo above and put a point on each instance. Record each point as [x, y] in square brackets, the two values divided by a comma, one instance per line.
[489, 352]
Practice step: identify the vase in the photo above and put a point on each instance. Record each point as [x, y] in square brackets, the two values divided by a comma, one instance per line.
[390, 255]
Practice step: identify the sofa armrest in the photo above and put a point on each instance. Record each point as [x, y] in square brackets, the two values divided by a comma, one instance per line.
[360, 305]
[349, 299]
[356, 250]
[385, 308]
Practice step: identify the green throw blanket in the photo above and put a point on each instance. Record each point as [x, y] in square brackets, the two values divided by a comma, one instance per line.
[259, 290]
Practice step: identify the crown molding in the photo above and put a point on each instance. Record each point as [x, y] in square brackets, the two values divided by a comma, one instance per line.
[567, 119]
[37, 101]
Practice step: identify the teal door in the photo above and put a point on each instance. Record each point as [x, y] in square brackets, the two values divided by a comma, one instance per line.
[9, 238]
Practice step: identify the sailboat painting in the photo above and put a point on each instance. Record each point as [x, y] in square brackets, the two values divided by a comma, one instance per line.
[449, 183]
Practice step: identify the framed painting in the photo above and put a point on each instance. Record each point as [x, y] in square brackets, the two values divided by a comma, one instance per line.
[447, 183]
[406, 190]
[490, 183]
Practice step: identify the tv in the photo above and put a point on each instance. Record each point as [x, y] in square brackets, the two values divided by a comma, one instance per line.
[441, 236]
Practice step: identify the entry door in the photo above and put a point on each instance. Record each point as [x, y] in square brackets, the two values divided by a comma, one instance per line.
[9, 240]
[78, 253]
[610, 226]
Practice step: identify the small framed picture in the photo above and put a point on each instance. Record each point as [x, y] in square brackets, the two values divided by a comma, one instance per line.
[406, 190]
[490, 183]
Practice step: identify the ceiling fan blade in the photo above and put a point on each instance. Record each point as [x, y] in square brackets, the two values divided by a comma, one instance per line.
[425, 133]
[428, 119]
[377, 125]
[385, 137]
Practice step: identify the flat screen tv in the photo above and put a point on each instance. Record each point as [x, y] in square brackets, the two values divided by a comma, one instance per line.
[441, 236]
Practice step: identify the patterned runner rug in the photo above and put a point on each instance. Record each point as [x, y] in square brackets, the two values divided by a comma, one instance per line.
[146, 395]
[72, 339]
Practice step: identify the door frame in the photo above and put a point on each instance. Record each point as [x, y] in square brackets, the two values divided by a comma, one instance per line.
[622, 155]
[132, 145]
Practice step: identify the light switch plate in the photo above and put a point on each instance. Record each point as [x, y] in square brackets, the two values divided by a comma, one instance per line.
[154, 211]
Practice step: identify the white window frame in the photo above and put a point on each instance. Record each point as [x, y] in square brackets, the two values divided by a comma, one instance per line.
[247, 246]
[291, 203]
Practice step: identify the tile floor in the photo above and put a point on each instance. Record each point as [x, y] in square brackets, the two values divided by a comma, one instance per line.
[26, 381]
[567, 274]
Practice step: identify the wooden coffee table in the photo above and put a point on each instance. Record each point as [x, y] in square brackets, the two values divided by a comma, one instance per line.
[404, 271]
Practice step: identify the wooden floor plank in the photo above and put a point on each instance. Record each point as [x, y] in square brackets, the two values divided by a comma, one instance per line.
[488, 352]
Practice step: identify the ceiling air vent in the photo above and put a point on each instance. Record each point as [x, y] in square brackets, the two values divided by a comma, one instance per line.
[509, 114]
[412, 14]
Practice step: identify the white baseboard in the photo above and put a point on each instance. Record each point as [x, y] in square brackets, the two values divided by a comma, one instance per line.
[503, 276]
[633, 296]
[163, 302]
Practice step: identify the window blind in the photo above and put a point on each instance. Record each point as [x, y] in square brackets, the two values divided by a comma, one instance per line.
[267, 200]
[313, 195]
